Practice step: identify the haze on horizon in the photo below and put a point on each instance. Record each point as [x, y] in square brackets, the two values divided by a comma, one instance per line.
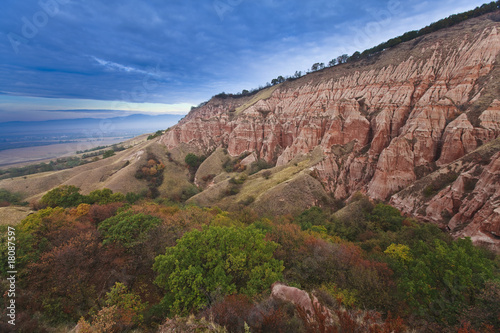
[62, 59]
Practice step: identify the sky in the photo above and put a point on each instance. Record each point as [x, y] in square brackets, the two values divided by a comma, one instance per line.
[106, 58]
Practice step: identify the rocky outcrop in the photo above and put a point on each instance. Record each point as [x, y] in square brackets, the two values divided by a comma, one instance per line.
[301, 299]
[463, 198]
[381, 123]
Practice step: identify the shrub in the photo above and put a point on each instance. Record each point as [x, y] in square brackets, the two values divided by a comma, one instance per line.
[249, 200]
[267, 174]
[9, 197]
[216, 261]
[386, 217]
[108, 153]
[192, 160]
[132, 197]
[104, 196]
[188, 192]
[155, 135]
[238, 180]
[259, 165]
[439, 279]
[439, 183]
[313, 216]
[233, 190]
[129, 305]
[63, 196]
[99, 213]
[127, 228]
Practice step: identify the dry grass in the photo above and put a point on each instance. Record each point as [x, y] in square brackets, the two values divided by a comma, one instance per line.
[13, 215]
[288, 188]
[113, 173]
[211, 166]
[264, 94]
[29, 155]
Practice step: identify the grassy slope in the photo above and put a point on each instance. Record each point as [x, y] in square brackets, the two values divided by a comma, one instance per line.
[113, 173]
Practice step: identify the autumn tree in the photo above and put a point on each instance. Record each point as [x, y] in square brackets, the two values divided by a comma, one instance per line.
[216, 261]
[67, 280]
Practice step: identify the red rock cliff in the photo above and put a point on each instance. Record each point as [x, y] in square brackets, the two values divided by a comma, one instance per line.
[382, 123]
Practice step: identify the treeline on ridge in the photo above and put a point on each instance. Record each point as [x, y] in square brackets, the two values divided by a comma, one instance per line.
[345, 58]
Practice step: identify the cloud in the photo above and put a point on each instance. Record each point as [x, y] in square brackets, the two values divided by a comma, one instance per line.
[113, 66]
[183, 52]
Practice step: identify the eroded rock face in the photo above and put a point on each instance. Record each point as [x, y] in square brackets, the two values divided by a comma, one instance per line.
[467, 202]
[300, 299]
[381, 126]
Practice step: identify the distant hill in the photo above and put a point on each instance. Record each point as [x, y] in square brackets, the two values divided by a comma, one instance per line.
[138, 123]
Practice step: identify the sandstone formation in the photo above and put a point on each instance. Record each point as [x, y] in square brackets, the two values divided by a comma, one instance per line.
[300, 299]
[381, 123]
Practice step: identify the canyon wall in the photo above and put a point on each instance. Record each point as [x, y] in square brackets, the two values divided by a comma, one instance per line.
[382, 123]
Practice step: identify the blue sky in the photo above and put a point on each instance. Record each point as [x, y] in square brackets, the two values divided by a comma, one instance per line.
[103, 58]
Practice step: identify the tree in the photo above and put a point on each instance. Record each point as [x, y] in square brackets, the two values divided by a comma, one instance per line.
[317, 66]
[440, 279]
[66, 281]
[128, 228]
[192, 160]
[108, 153]
[63, 196]
[342, 59]
[214, 262]
[313, 216]
[104, 196]
[386, 217]
[355, 56]
[129, 304]
[332, 62]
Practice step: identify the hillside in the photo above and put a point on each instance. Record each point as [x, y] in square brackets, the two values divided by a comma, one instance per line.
[375, 125]
[346, 200]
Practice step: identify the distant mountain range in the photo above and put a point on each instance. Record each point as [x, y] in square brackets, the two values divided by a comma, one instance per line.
[137, 124]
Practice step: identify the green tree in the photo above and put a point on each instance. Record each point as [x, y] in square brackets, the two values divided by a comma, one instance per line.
[313, 216]
[63, 196]
[192, 160]
[386, 217]
[129, 305]
[128, 228]
[108, 153]
[215, 262]
[439, 280]
[11, 198]
[104, 196]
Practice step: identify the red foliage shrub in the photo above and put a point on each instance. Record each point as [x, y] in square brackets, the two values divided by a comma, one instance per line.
[98, 213]
[466, 328]
[231, 312]
[72, 276]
